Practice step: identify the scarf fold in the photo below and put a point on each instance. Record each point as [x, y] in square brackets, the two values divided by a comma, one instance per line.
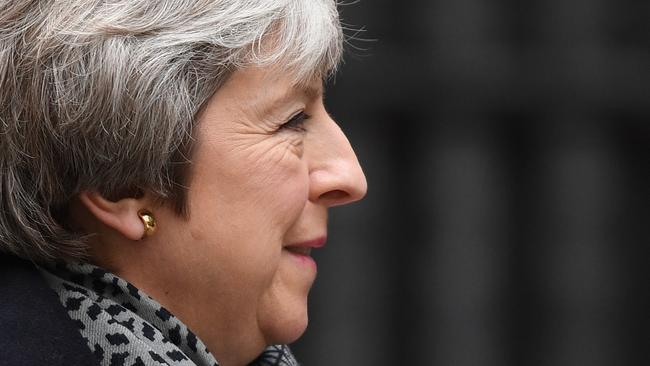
[124, 326]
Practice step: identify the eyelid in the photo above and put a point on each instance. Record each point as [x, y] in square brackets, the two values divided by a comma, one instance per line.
[296, 122]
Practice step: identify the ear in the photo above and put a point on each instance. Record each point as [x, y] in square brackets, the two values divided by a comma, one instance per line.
[121, 216]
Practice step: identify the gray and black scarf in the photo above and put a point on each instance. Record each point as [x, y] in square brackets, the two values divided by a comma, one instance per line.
[124, 326]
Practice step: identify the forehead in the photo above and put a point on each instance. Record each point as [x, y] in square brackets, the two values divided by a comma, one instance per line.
[260, 91]
[264, 85]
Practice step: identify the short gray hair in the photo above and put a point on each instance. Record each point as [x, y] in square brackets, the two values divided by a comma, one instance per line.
[103, 95]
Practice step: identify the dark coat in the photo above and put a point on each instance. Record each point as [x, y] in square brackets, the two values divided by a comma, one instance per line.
[34, 327]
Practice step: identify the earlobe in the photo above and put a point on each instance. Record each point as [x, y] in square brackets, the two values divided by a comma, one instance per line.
[121, 216]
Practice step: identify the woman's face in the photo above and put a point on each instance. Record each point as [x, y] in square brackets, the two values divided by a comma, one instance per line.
[268, 162]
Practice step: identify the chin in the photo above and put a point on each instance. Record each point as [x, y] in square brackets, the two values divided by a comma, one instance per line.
[285, 327]
[294, 330]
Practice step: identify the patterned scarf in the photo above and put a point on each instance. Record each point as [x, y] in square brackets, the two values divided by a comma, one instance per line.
[124, 326]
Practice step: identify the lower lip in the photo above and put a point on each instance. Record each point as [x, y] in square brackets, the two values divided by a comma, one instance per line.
[304, 259]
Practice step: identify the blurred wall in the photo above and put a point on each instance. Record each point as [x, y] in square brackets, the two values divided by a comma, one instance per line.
[506, 149]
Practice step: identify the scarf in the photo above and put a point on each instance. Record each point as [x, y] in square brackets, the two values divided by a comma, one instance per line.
[124, 326]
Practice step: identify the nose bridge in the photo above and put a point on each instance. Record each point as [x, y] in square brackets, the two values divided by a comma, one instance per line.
[335, 173]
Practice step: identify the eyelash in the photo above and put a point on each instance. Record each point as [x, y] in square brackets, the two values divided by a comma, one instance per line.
[296, 123]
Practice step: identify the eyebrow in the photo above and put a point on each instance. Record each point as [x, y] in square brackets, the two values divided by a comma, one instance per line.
[310, 91]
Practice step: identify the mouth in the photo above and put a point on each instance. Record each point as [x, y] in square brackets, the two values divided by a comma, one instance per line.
[314, 243]
[303, 249]
[306, 251]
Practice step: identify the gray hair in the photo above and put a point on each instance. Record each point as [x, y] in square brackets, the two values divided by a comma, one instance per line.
[103, 95]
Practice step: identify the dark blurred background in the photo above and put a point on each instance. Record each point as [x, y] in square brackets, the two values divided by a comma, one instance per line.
[505, 145]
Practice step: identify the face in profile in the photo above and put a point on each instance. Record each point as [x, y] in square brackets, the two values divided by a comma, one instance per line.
[268, 162]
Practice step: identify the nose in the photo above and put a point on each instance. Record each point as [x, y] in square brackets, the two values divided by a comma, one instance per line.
[336, 178]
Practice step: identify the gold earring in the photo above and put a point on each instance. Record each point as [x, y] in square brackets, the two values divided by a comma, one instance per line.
[149, 222]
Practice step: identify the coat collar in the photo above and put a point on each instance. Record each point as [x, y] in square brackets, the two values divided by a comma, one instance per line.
[34, 326]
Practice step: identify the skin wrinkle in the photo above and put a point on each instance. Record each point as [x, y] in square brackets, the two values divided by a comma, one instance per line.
[247, 125]
[269, 113]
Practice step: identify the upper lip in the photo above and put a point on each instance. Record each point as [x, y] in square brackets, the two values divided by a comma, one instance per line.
[314, 243]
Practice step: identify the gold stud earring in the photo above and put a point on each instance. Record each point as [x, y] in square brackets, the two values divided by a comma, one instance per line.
[148, 221]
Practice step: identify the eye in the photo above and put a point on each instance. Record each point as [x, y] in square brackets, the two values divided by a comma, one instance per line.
[296, 123]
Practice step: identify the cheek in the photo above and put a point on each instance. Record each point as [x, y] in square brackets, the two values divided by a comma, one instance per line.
[246, 191]
[277, 183]
[244, 200]
[260, 170]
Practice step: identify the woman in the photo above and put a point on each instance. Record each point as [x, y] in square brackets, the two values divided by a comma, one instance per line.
[169, 166]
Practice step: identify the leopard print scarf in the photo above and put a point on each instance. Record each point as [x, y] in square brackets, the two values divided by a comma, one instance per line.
[124, 326]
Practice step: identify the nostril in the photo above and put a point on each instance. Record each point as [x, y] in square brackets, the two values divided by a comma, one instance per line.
[334, 195]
